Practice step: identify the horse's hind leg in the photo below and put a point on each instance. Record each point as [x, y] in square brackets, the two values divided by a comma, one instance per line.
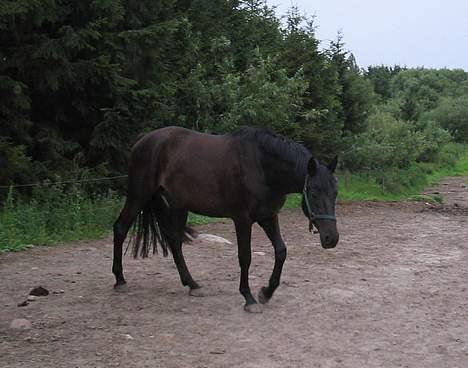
[179, 218]
[128, 214]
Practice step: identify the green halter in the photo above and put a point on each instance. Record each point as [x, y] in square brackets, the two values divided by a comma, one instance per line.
[312, 216]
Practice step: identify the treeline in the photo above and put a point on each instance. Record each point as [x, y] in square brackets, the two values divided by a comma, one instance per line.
[81, 80]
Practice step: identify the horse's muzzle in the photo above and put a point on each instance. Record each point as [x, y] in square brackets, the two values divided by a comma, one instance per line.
[329, 241]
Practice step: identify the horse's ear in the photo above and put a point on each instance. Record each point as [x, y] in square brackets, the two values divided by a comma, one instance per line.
[332, 165]
[312, 166]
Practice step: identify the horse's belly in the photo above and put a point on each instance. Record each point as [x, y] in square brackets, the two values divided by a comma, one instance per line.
[208, 204]
[207, 200]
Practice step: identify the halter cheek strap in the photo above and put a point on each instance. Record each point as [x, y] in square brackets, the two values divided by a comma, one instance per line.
[312, 216]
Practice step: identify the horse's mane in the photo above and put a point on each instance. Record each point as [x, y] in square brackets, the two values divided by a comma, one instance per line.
[276, 145]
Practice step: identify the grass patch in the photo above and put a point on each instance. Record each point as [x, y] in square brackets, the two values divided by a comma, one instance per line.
[293, 201]
[403, 184]
[195, 219]
[355, 187]
[60, 214]
[66, 213]
[57, 214]
[429, 198]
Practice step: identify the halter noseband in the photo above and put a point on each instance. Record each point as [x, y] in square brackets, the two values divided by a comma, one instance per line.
[312, 216]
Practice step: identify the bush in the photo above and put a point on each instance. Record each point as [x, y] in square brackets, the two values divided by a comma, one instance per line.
[452, 114]
[387, 143]
[434, 138]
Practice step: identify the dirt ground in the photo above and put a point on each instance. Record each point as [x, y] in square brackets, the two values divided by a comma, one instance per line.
[394, 293]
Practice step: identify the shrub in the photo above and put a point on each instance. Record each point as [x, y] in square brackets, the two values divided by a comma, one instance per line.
[387, 143]
[452, 114]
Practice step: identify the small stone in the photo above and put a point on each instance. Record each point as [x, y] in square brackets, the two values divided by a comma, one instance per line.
[39, 291]
[23, 304]
[259, 253]
[58, 292]
[213, 238]
[31, 298]
[20, 324]
[221, 351]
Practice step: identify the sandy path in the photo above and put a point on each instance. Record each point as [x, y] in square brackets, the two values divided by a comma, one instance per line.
[394, 293]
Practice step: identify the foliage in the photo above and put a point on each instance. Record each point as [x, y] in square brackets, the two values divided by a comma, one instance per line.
[428, 198]
[265, 97]
[57, 213]
[452, 114]
[81, 80]
[398, 184]
[387, 143]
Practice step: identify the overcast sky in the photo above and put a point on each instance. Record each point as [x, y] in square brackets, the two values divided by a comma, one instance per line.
[429, 33]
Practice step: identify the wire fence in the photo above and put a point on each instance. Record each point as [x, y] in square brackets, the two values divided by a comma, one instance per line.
[59, 210]
[45, 183]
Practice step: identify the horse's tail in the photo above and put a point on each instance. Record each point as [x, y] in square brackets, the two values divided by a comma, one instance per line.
[155, 225]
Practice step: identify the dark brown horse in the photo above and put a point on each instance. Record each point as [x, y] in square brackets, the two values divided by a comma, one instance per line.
[244, 176]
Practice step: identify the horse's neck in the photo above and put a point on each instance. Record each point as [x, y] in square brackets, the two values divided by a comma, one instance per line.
[288, 178]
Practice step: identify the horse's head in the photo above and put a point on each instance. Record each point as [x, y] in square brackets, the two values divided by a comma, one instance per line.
[318, 201]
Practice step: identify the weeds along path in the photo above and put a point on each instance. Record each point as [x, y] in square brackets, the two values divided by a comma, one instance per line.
[393, 293]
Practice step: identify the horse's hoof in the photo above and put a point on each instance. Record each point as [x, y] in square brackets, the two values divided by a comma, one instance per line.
[253, 308]
[121, 288]
[262, 299]
[198, 292]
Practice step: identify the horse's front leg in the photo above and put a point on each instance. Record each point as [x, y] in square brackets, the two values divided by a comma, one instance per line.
[244, 232]
[272, 230]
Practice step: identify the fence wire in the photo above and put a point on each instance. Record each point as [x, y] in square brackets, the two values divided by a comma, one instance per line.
[46, 184]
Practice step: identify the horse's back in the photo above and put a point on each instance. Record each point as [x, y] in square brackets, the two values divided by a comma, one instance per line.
[201, 171]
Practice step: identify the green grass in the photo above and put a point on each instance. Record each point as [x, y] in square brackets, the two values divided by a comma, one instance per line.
[55, 215]
[65, 213]
[293, 201]
[60, 214]
[402, 184]
[359, 187]
[429, 198]
[461, 166]
[46, 222]
[195, 219]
